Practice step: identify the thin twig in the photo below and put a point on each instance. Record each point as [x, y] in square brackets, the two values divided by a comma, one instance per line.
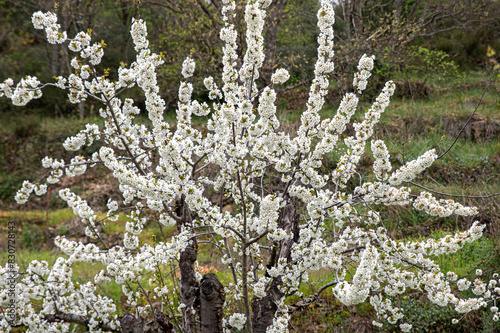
[456, 195]
[470, 118]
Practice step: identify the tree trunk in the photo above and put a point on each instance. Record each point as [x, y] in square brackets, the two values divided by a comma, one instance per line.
[212, 298]
[188, 286]
[54, 60]
[274, 15]
[357, 18]
[205, 300]
[81, 109]
[265, 308]
[346, 12]
[398, 11]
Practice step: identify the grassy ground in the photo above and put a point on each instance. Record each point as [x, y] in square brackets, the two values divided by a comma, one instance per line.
[409, 126]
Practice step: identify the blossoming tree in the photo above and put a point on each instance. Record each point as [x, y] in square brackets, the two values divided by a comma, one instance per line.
[293, 216]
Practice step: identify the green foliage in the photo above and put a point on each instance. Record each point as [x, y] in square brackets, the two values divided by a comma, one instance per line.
[326, 316]
[8, 188]
[423, 62]
[194, 25]
[424, 317]
[467, 47]
[31, 237]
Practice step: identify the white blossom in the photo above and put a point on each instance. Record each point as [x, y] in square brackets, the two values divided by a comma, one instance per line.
[188, 67]
[280, 76]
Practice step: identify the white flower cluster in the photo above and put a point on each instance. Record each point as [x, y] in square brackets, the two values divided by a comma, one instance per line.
[359, 290]
[405, 327]
[280, 323]
[25, 91]
[139, 34]
[443, 207]
[378, 193]
[259, 288]
[85, 137]
[94, 53]
[365, 67]
[411, 169]
[237, 320]
[324, 66]
[48, 21]
[364, 130]
[382, 165]
[77, 167]
[331, 128]
[24, 193]
[254, 56]
[214, 92]
[229, 36]
[188, 67]
[280, 76]
[81, 208]
[81, 41]
[57, 290]
[6, 88]
[130, 241]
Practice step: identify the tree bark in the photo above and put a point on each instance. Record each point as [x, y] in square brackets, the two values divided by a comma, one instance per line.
[164, 325]
[265, 308]
[212, 298]
[346, 12]
[398, 10]
[274, 15]
[81, 110]
[130, 324]
[54, 60]
[357, 18]
[188, 286]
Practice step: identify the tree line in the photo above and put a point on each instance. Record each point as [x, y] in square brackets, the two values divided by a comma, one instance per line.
[452, 34]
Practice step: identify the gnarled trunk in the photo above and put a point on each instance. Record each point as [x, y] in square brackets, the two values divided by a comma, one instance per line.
[264, 308]
[188, 286]
[212, 298]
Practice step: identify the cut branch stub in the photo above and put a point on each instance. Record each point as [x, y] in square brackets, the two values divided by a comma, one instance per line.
[130, 324]
[212, 298]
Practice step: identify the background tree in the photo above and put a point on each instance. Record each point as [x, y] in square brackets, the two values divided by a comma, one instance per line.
[389, 28]
[386, 28]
